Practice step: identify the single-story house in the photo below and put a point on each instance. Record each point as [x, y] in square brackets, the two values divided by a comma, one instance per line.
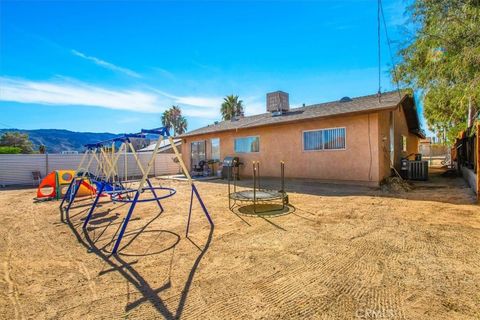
[351, 140]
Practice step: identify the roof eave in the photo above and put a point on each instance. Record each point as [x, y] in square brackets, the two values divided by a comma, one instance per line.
[187, 135]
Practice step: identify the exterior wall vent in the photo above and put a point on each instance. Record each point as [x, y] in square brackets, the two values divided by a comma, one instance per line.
[278, 102]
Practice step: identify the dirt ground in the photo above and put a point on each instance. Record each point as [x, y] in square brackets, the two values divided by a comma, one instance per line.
[340, 252]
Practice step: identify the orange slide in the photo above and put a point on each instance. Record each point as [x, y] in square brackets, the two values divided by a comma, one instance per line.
[55, 185]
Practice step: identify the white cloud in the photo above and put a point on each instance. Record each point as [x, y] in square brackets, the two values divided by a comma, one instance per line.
[196, 101]
[67, 92]
[51, 93]
[255, 107]
[106, 64]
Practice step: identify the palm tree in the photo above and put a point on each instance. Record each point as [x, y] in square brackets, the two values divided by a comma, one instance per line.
[167, 118]
[173, 118]
[181, 125]
[231, 107]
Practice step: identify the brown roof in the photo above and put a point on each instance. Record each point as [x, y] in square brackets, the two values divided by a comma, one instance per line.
[387, 100]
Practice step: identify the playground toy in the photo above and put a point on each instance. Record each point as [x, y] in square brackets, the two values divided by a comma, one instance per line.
[119, 193]
[56, 183]
[257, 194]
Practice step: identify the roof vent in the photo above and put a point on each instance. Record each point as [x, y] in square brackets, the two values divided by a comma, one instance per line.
[277, 113]
[346, 99]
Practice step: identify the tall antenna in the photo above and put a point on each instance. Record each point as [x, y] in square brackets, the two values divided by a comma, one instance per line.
[379, 93]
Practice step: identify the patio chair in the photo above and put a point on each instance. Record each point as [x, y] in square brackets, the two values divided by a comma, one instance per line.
[199, 169]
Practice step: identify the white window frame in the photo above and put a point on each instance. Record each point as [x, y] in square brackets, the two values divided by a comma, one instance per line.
[323, 150]
[246, 151]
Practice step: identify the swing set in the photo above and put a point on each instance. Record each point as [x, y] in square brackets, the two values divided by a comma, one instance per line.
[108, 181]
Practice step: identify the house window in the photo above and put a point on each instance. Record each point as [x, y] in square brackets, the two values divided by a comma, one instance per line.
[197, 150]
[324, 139]
[247, 144]
[215, 145]
[403, 141]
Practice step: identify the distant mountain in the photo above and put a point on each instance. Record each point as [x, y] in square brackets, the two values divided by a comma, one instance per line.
[57, 141]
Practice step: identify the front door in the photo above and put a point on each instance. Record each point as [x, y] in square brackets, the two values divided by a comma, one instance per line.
[197, 153]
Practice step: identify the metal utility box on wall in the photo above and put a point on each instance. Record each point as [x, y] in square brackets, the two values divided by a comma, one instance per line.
[277, 101]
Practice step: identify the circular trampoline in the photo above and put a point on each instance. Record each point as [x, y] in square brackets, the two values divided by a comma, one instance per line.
[258, 195]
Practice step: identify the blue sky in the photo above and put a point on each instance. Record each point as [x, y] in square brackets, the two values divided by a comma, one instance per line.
[115, 66]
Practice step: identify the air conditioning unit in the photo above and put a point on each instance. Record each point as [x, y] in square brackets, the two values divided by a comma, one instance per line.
[414, 170]
[278, 102]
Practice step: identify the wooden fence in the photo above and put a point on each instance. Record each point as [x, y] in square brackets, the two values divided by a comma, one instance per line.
[467, 156]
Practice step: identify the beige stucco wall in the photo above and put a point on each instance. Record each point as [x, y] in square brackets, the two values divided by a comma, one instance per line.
[400, 128]
[384, 143]
[359, 162]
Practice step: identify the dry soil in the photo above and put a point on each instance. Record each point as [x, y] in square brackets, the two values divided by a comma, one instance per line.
[339, 252]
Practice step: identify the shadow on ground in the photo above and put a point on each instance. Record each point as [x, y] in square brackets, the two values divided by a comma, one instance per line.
[117, 262]
[442, 186]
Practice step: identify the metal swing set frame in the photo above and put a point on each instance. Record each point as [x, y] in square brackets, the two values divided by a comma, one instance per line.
[106, 164]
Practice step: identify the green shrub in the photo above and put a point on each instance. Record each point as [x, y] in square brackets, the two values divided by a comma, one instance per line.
[10, 150]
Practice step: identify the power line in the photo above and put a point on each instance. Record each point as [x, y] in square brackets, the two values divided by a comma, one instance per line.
[395, 77]
[6, 125]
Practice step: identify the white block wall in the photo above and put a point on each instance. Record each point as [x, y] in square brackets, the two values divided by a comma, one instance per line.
[16, 169]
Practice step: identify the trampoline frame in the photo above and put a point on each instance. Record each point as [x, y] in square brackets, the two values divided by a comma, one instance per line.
[281, 194]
